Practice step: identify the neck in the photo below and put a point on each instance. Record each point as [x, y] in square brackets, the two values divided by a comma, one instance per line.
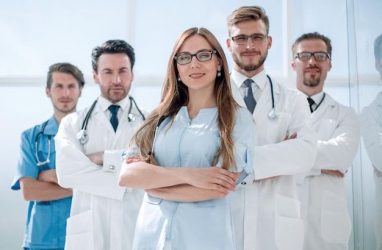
[199, 100]
[250, 73]
[58, 115]
[309, 91]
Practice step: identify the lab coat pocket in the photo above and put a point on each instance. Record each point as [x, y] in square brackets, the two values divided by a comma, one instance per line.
[79, 231]
[335, 222]
[288, 224]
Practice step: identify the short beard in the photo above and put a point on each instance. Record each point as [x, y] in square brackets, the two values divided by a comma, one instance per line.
[311, 82]
[251, 67]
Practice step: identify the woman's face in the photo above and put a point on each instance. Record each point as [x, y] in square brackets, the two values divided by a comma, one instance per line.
[200, 73]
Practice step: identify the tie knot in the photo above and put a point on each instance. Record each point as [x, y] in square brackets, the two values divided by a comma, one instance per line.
[114, 109]
[248, 83]
[311, 101]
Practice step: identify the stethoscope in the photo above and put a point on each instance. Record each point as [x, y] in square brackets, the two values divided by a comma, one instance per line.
[83, 136]
[273, 113]
[37, 144]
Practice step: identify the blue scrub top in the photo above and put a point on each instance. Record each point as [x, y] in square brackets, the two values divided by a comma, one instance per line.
[193, 143]
[46, 220]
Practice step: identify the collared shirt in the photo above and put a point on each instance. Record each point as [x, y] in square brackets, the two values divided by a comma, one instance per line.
[260, 81]
[46, 220]
[317, 98]
[104, 104]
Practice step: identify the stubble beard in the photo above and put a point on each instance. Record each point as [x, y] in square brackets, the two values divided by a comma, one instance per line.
[250, 67]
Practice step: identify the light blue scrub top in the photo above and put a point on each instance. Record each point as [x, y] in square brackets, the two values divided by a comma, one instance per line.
[204, 225]
[46, 220]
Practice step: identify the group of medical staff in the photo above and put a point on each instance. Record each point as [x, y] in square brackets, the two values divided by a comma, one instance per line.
[228, 160]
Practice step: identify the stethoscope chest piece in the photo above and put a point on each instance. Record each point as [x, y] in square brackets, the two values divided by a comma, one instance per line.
[82, 136]
[272, 114]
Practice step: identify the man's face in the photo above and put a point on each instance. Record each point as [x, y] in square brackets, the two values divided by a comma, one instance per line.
[311, 73]
[114, 76]
[64, 92]
[249, 56]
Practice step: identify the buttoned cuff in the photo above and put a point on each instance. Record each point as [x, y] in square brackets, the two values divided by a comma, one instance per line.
[112, 160]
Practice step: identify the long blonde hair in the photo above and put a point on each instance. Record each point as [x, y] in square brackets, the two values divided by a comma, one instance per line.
[175, 95]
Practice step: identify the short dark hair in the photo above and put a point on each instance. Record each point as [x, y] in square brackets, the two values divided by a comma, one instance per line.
[378, 47]
[247, 13]
[113, 47]
[65, 68]
[313, 36]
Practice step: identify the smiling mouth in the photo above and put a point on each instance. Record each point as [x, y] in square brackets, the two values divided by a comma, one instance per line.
[196, 75]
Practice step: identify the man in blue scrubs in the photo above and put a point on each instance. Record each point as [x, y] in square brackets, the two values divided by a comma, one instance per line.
[49, 204]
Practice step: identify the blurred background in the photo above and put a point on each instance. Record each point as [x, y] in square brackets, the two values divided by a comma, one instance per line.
[38, 33]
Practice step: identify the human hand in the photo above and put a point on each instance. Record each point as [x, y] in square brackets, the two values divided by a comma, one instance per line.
[332, 172]
[132, 159]
[212, 178]
[291, 136]
[48, 176]
[96, 158]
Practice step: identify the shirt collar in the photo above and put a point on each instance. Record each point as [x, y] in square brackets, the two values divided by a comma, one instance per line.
[51, 127]
[260, 78]
[105, 103]
[317, 97]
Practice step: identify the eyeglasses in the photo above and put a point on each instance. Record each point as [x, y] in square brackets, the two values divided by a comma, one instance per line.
[202, 56]
[319, 56]
[243, 39]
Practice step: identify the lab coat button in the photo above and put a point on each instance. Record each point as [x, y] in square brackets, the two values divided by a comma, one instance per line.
[111, 167]
[243, 183]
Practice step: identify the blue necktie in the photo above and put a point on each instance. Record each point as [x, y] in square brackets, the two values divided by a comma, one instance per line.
[249, 100]
[114, 117]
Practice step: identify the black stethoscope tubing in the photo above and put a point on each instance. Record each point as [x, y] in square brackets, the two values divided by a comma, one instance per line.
[88, 114]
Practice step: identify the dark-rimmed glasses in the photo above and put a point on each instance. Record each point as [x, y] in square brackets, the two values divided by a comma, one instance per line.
[319, 56]
[243, 39]
[202, 56]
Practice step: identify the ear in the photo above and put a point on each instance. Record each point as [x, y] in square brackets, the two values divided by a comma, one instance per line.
[269, 42]
[47, 92]
[228, 43]
[293, 65]
[95, 77]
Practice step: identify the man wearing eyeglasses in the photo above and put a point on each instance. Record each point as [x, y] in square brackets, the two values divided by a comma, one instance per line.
[270, 217]
[49, 203]
[323, 192]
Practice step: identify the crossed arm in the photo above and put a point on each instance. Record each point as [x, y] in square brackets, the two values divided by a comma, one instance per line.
[185, 184]
[44, 188]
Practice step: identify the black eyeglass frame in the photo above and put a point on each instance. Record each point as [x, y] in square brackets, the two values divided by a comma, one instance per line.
[318, 59]
[197, 54]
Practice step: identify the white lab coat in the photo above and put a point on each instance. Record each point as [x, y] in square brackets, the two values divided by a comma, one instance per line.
[323, 197]
[270, 218]
[103, 214]
[372, 138]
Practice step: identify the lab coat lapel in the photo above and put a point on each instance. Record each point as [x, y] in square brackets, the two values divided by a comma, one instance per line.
[264, 104]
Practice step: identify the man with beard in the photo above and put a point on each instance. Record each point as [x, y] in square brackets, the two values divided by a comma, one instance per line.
[49, 203]
[270, 218]
[323, 192]
[90, 144]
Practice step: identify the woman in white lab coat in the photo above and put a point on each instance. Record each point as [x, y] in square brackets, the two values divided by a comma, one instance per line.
[197, 125]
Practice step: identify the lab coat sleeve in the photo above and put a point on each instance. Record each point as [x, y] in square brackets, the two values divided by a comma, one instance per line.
[243, 136]
[289, 157]
[372, 136]
[27, 164]
[338, 152]
[75, 170]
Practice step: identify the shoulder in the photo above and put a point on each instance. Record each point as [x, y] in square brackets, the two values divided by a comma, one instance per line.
[32, 132]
